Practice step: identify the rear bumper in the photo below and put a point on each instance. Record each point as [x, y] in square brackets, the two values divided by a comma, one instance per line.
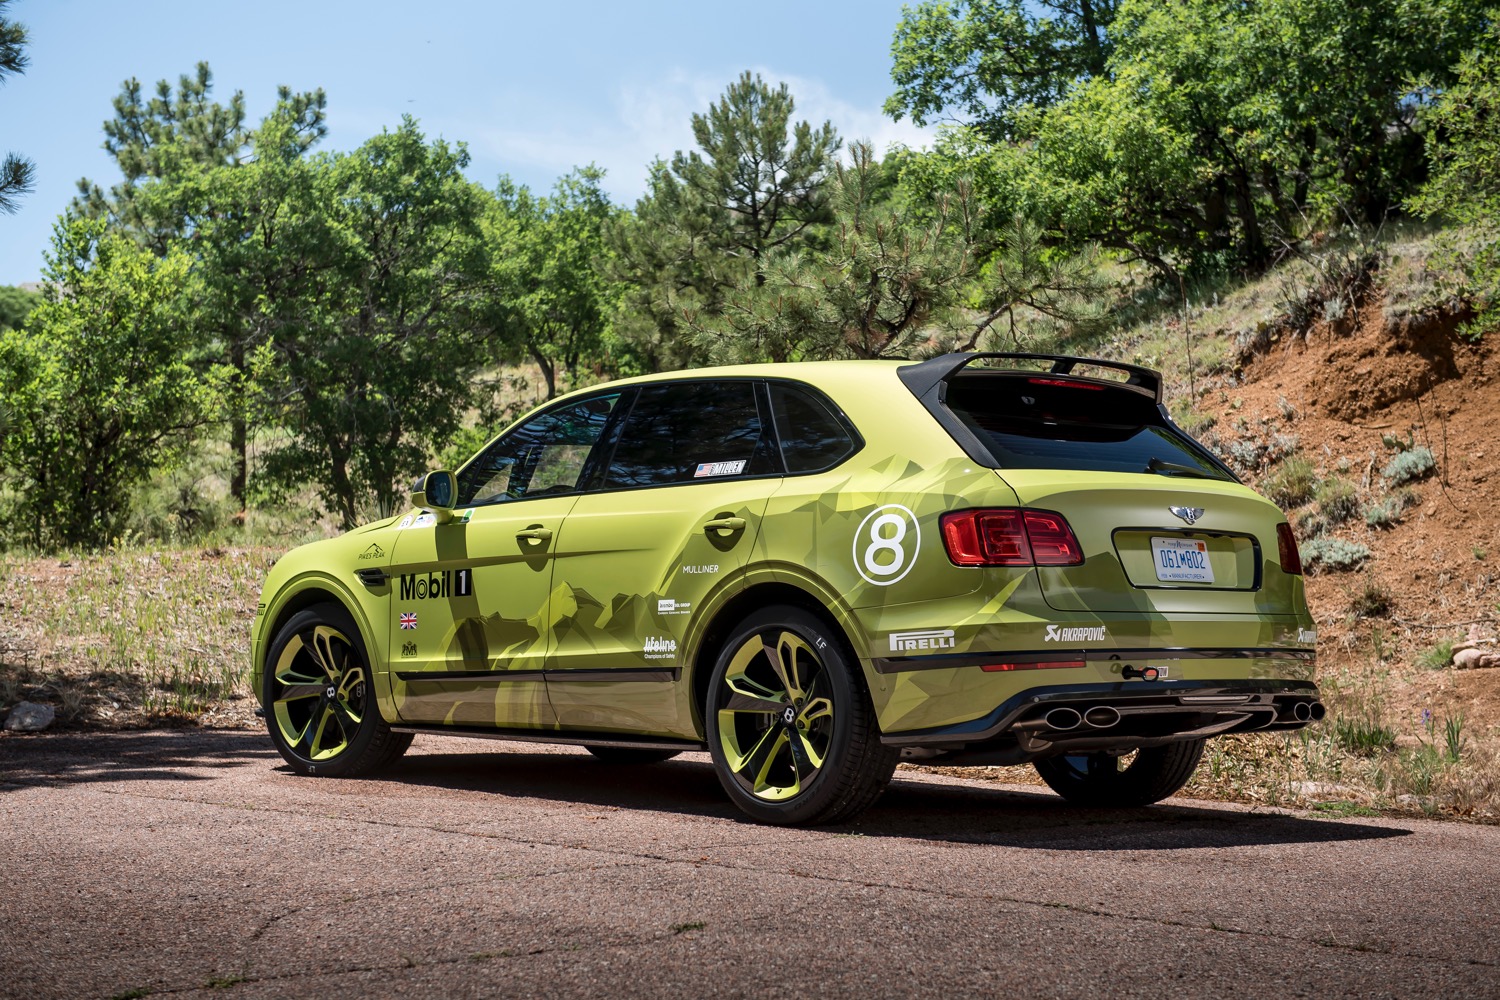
[1086, 718]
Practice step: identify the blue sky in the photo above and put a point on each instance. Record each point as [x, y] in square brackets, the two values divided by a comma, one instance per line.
[533, 89]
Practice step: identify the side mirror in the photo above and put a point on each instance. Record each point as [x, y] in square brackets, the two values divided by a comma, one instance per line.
[435, 491]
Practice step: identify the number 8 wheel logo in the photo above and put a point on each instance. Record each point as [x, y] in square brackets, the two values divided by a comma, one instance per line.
[886, 544]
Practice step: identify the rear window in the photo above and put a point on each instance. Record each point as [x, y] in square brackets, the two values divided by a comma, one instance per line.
[1046, 422]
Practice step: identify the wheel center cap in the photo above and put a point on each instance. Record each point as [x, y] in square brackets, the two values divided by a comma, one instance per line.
[331, 692]
[789, 715]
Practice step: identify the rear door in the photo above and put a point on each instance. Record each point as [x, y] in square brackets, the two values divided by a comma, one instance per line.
[675, 517]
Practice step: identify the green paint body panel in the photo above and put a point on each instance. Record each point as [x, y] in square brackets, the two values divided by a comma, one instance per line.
[631, 581]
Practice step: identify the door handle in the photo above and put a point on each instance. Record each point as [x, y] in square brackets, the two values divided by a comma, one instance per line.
[534, 534]
[725, 524]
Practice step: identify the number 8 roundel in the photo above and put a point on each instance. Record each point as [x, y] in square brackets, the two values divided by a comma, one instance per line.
[886, 544]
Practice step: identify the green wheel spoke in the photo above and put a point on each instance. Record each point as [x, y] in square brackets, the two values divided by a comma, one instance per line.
[761, 783]
[314, 731]
[348, 720]
[296, 692]
[814, 709]
[782, 655]
[319, 643]
[739, 762]
[804, 747]
[737, 702]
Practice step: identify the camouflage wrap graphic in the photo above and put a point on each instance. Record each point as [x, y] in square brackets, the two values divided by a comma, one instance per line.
[590, 612]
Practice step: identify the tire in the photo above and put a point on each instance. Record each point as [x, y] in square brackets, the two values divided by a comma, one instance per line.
[1098, 780]
[631, 755]
[320, 698]
[790, 726]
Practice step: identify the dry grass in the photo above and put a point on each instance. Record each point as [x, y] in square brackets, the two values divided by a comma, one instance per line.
[131, 637]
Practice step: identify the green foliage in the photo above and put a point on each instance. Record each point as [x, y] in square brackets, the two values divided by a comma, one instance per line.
[368, 356]
[15, 305]
[1335, 554]
[1464, 158]
[1337, 499]
[1292, 484]
[713, 217]
[1201, 134]
[1372, 600]
[99, 385]
[553, 297]
[1387, 511]
[16, 172]
[1363, 737]
[1406, 466]
[1436, 657]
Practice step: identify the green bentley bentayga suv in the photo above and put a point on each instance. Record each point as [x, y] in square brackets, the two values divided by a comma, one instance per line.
[812, 571]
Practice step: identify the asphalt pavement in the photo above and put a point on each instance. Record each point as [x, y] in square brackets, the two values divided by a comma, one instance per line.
[171, 862]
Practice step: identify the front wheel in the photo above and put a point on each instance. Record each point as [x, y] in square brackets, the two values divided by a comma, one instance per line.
[790, 727]
[320, 698]
[1108, 780]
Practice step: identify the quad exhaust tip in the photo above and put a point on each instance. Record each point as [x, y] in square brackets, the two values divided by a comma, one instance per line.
[1063, 719]
[1101, 717]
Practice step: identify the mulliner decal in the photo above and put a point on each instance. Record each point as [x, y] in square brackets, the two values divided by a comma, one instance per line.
[1307, 635]
[886, 544]
[668, 606]
[1094, 634]
[408, 619]
[373, 552]
[705, 568]
[660, 649]
[447, 583]
[719, 469]
[408, 649]
[932, 638]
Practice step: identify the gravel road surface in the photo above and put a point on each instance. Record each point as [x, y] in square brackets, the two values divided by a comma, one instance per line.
[190, 861]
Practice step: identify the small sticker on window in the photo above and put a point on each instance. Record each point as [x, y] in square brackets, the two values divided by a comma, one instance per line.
[719, 469]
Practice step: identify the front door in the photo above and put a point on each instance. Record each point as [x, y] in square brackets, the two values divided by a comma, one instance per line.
[471, 598]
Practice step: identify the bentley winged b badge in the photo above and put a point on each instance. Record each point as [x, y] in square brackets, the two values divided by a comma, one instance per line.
[1188, 514]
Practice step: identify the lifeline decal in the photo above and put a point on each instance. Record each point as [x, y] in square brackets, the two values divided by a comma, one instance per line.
[660, 649]
[1055, 634]
[932, 638]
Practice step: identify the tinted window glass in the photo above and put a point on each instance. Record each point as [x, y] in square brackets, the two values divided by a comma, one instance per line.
[545, 455]
[1048, 423]
[812, 438]
[687, 432]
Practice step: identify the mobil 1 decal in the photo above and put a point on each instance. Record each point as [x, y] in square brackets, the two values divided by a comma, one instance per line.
[886, 544]
[443, 583]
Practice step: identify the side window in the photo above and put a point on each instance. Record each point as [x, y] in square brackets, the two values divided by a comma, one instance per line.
[686, 432]
[812, 437]
[545, 455]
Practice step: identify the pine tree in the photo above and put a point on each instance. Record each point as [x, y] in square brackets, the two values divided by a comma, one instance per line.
[16, 171]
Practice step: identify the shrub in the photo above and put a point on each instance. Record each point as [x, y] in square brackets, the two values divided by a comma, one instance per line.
[1387, 511]
[1373, 600]
[1437, 657]
[1292, 484]
[1364, 737]
[1334, 554]
[1337, 501]
[1409, 465]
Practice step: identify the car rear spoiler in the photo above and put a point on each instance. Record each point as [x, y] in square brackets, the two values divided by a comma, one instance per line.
[925, 376]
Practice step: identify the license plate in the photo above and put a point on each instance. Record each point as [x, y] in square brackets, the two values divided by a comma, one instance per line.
[1181, 560]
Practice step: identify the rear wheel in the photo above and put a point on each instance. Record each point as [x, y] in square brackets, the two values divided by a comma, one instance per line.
[790, 726]
[1138, 779]
[320, 698]
[631, 755]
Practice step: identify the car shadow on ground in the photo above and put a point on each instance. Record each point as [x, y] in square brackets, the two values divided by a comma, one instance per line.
[922, 809]
[147, 755]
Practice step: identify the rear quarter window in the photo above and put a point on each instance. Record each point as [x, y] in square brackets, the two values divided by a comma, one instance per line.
[813, 437]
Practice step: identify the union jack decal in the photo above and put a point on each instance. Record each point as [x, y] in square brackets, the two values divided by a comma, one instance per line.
[408, 619]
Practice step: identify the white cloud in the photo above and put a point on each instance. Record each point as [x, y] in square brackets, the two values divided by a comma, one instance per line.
[651, 119]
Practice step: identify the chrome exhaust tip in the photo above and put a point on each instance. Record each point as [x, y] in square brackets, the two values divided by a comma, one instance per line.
[1063, 719]
[1316, 711]
[1302, 711]
[1101, 716]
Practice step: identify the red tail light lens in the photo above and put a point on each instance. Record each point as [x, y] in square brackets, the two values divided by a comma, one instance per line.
[1009, 536]
[1286, 542]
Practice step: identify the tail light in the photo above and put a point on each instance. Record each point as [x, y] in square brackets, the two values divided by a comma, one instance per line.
[1286, 542]
[1010, 536]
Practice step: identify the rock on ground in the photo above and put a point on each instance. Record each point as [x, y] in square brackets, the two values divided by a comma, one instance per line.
[29, 717]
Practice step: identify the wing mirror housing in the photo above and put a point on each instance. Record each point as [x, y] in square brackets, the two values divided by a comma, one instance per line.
[435, 491]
